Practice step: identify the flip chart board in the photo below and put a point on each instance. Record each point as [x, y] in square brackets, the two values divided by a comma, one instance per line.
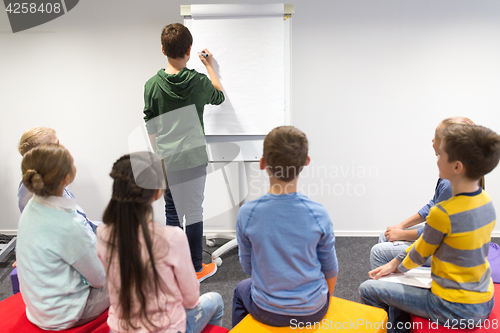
[251, 48]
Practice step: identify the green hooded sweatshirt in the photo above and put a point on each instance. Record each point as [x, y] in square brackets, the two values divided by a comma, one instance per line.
[180, 138]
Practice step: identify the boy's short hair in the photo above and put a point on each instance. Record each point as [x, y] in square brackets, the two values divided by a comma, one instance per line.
[285, 152]
[477, 147]
[176, 40]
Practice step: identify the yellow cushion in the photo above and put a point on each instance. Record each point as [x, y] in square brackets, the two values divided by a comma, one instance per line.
[343, 315]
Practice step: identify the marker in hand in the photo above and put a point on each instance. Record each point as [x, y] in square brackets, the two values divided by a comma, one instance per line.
[205, 57]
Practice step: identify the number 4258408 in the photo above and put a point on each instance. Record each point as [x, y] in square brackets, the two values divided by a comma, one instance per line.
[32, 8]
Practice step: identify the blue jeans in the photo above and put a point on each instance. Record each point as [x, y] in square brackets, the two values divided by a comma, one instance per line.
[183, 199]
[243, 305]
[185, 195]
[209, 311]
[400, 301]
[385, 251]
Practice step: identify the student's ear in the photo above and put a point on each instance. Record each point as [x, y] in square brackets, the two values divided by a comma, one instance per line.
[188, 52]
[162, 51]
[157, 195]
[459, 167]
[308, 160]
[262, 163]
[67, 179]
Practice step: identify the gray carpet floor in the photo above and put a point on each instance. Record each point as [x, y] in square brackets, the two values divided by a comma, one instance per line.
[352, 253]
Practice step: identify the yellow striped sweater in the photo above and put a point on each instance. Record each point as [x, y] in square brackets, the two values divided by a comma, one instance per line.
[457, 235]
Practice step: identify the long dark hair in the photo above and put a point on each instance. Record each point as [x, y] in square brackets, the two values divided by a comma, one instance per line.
[137, 177]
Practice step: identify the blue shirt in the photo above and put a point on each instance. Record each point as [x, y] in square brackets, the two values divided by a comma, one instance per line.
[286, 243]
[441, 193]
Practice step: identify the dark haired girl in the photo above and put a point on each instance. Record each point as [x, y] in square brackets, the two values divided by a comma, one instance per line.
[151, 280]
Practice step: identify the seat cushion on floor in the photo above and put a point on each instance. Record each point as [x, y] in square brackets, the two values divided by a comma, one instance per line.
[214, 329]
[13, 319]
[342, 316]
[492, 324]
[14, 281]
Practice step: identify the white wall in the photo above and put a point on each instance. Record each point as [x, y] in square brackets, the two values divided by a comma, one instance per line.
[371, 80]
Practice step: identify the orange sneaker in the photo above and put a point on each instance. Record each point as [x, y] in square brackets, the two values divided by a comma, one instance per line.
[206, 272]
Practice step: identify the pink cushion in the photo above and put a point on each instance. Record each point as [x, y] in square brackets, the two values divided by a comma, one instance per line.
[103, 328]
[492, 324]
[13, 319]
[214, 329]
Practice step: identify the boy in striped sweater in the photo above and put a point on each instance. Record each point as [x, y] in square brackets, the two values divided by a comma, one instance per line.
[457, 236]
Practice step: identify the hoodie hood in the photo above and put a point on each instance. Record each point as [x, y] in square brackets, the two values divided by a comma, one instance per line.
[177, 86]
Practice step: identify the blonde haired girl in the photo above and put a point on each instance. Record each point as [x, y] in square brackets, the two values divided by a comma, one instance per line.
[60, 276]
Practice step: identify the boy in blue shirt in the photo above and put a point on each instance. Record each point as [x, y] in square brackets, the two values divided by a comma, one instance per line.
[286, 242]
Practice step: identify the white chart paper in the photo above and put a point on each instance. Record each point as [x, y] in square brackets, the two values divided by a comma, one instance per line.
[249, 61]
[417, 277]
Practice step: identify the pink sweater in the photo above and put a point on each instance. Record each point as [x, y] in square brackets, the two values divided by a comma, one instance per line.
[174, 266]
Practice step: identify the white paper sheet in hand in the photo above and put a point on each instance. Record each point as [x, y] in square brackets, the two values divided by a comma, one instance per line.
[417, 277]
[249, 61]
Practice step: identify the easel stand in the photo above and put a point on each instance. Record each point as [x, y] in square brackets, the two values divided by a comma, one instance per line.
[235, 130]
[228, 155]
[6, 248]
